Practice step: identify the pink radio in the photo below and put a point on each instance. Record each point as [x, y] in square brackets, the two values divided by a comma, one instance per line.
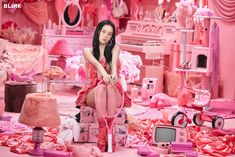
[164, 135]
[149, 88]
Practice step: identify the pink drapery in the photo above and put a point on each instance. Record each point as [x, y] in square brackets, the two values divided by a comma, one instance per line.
[225, 9]
[36, 12]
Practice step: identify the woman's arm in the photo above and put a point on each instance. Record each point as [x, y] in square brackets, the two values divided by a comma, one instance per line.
[87, 53]
[115, 60]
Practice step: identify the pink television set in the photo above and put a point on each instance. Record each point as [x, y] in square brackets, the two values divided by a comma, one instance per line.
[164, 135]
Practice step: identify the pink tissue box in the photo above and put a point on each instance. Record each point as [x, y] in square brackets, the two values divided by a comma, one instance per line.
[121, 117]
[93, 132]
[54, 153]
[83, 137]
[121, 132]
[86, 114]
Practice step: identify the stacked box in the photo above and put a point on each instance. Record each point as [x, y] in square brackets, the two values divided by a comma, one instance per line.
[89, 132]
[89, 115]
[83, 137]
[86, 114]
[121, 117]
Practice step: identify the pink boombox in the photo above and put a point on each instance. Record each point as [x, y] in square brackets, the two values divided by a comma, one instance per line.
[164, 135]
[149, 88]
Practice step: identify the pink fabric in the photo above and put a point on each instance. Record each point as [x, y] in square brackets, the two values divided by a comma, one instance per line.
[81, 100]
[40, 109]
[36, 12]
[72, 12]
[104, 13]
[225, 9]
[62, 47]
[214, 53]
[109, 4]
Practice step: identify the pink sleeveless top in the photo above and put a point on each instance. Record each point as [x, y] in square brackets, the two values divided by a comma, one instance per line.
[93, 74]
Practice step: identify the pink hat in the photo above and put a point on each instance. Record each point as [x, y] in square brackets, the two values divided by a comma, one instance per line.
[62, 47]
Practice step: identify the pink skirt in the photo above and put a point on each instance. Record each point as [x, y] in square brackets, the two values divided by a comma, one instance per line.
[81, 100]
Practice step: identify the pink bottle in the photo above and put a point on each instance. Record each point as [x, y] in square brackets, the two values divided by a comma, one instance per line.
[134, 93]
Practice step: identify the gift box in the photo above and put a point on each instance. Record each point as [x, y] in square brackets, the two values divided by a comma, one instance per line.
[54, 153]
[86, 114]
[121, 132]
[83, 137]
[121, 117]
[93, 132]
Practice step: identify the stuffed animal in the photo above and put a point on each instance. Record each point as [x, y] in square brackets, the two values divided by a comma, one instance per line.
[69, 132]
[184, 12]
[160, 100]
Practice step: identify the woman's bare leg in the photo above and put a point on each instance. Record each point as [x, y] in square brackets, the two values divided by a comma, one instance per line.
[114, 100]
[100, 102]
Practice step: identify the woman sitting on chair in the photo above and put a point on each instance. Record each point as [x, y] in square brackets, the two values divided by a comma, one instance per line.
[103, 64]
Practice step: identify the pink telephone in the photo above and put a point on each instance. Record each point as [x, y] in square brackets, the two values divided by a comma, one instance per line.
[149, 88]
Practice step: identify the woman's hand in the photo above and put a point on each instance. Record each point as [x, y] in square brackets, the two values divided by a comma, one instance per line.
[107, 78]
[114, 79]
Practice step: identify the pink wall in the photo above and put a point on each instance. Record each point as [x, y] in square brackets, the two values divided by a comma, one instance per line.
[227, 58]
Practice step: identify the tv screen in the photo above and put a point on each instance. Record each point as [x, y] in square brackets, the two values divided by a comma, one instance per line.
[165, 134]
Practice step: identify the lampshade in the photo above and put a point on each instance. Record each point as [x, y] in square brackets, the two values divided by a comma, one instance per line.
[40, 110]
[62, 47]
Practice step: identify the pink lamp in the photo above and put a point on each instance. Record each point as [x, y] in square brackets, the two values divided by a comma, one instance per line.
[39, 110]
[63, 50]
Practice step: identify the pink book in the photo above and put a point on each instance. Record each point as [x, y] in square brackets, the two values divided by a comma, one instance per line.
[54, 153]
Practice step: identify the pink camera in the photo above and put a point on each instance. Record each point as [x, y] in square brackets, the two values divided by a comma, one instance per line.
[149, 88]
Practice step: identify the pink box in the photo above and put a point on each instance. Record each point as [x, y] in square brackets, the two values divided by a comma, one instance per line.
[86, 114]
[83, 137]
[93, 132]
[121, 118]
[54, 153]
[121, 132]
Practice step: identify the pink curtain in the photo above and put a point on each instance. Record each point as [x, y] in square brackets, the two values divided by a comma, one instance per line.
[225, 9]
[36, 12]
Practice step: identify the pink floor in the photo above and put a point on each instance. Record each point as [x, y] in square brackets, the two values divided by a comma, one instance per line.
[120, 151]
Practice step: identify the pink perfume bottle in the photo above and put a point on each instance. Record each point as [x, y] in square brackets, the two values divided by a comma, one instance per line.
[134, 93]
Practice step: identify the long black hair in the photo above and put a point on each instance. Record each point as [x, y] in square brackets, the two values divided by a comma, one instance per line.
[110, 44]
